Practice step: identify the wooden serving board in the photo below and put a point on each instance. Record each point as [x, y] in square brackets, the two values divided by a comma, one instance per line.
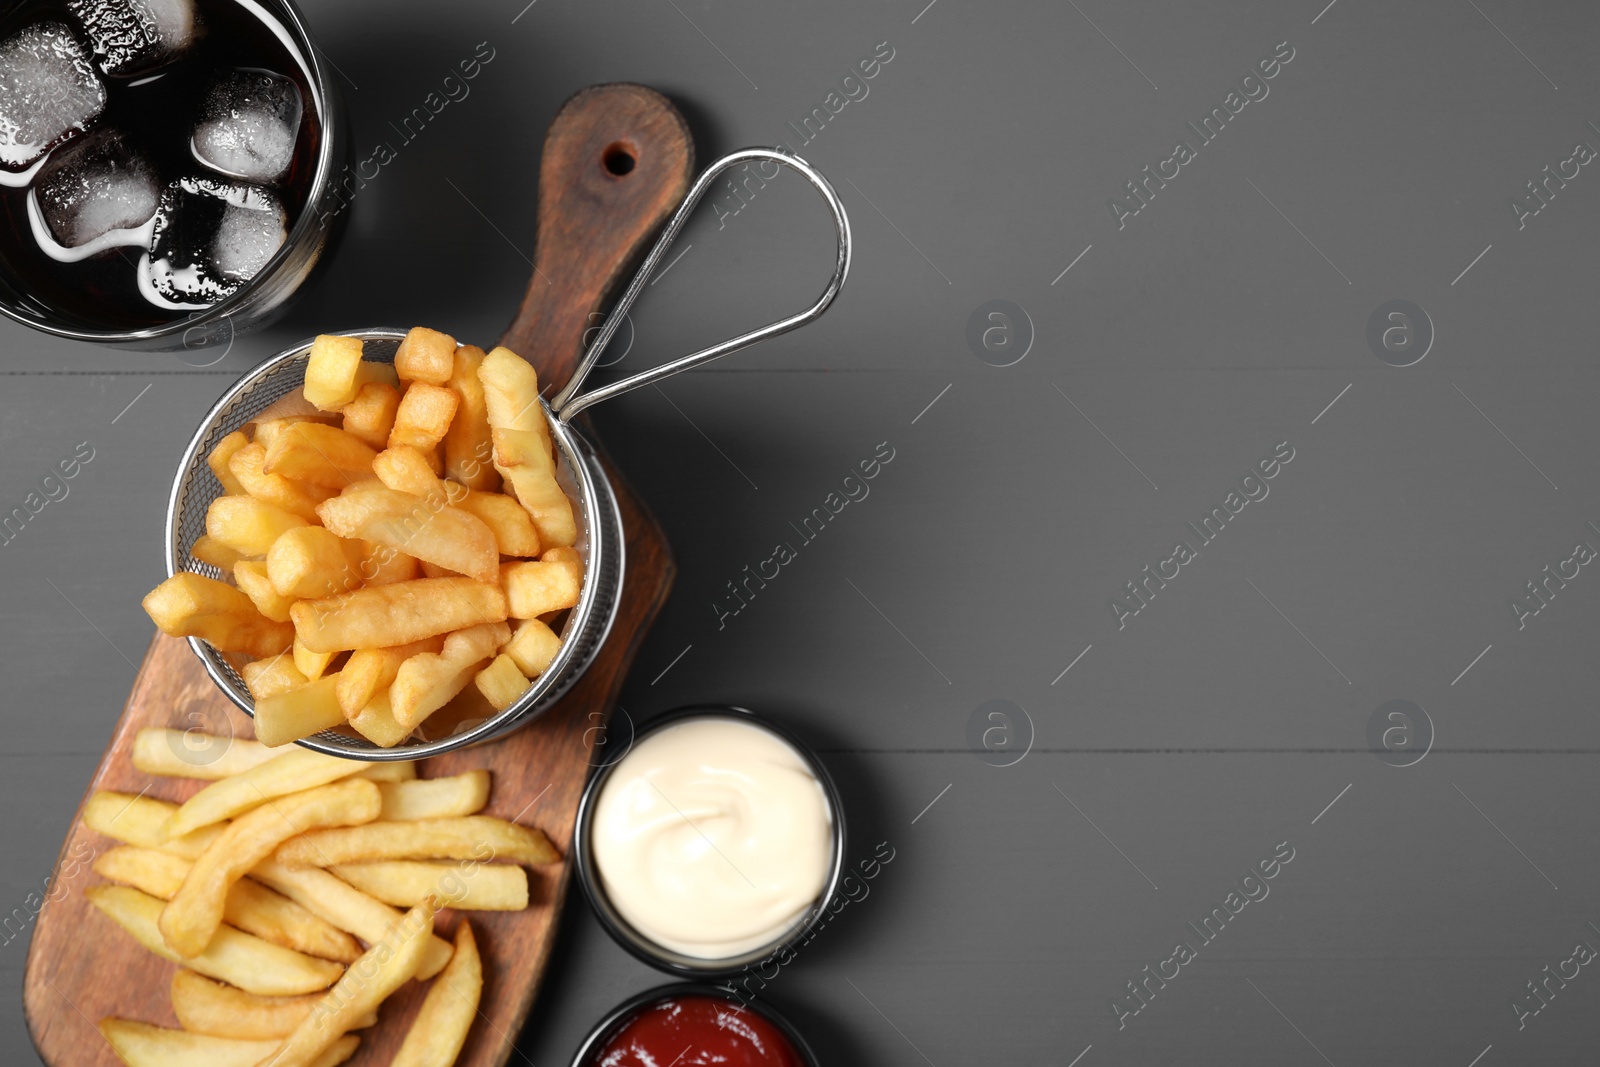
[593, 225]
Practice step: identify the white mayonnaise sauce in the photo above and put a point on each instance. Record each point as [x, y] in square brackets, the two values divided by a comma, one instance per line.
[712, 837]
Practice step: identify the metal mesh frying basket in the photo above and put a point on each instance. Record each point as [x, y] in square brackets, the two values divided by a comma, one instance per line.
[600, 544]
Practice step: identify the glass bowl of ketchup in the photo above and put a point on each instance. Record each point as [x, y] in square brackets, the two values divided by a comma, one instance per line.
[693, 1025]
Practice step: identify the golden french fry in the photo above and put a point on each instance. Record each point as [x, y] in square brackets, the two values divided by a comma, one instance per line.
[452, 839]
[424, 416]
[311, 562]
[248, 466]
[426, 528]
[319, 454]
[562, 554]
[267, 430]
[143, 1045]
[501, 682]
[382, 565]
[195, 753]
[370, 416]
[396, 614]
[468, 448]
[333, 371]
[219, 461]
[433, 570]
[138, 820]
[247, 525]
[406, 883]
[346, 907]
[435, 798]
[194, 914]
[522, 446]
[427, 681]
[425, 356]
[369, 670]
[208, 549]
[271, 677]
[533, 647]
[447, 1013]
[192, 605]
[408, 470]
[251, 578]
[301, 712]
[232, 956]
[288, 772]
[206, 1007]
[311, 664]
[376, 722]
[534, 587]
[513, 529]
[385, 967]
[250, 906]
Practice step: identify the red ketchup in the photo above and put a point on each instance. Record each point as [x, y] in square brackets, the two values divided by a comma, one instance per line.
[698, 1031]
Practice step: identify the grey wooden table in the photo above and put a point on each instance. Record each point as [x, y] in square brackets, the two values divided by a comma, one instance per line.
[1077, 737]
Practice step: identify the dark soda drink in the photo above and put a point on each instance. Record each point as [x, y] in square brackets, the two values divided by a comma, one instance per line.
[155, 155]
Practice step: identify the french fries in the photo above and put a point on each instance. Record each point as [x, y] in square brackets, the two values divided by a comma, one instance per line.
[247, 525]
[192, 605]
[143, 1045]
[406, 883]
[299, 712]
[208, 549]
[250, 906]
[407, 470]
[464, 838]
[333, 371]
[445, 1019]
[345, 906]
[248, 466]
[250, 576]
[194, 914]
[374, 513]
[397, 614]
[311, 562]
[427, 681]
[370, 416]
[522, 448]
[513, 530]
[232, 956]
[426, 356]
[195, 754]
[140, 820]
[369, 670]
[206, 1007]
[468, 447]
[288, 935]
[533, 647]
[376, 722]
[434, 798]
[380, 971]
[286, 772]
[535, 587]
[320, 454]
[220, 461]
[424, 416]
[501, 682]
[428, 529]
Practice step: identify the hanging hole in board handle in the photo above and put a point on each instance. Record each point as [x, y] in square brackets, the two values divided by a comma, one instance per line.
[568, 403]
[619, 159]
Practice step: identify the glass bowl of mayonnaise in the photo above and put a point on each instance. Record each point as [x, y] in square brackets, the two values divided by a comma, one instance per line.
[715, 844]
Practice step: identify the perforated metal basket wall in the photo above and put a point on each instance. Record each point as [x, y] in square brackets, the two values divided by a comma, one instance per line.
[600, 544]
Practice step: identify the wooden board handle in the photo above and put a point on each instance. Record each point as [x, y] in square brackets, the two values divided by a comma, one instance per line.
[617, 160]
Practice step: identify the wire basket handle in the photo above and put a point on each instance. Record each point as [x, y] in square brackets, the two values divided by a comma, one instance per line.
[568, 402]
